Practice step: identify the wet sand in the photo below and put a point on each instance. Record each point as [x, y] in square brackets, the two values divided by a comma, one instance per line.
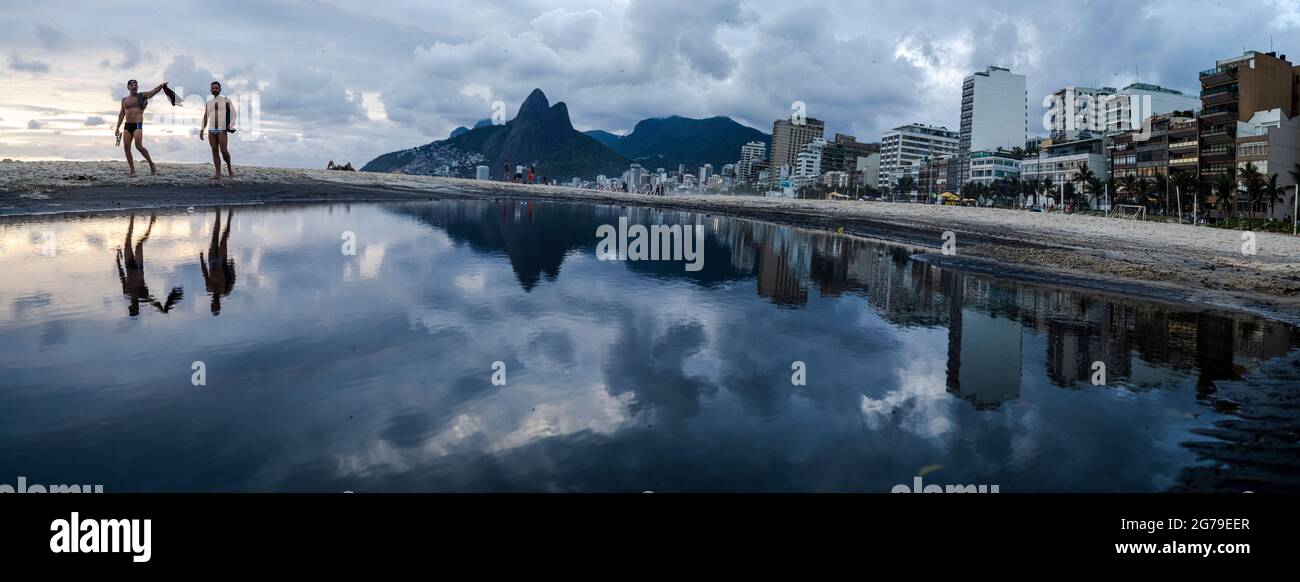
[1169, 262]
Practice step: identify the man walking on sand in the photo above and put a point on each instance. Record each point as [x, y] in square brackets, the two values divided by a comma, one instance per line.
[223, 114]
[132, 112]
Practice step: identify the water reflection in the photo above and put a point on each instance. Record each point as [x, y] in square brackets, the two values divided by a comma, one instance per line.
[130, 272]
[984, 318]
[219, 268]
[371, 372]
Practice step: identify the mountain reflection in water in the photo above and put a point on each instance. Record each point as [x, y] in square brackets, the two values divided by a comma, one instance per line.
[371, 372]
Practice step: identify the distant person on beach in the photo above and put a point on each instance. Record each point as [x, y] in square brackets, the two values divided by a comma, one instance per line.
[223, 114]
[532, 174]
[132, 112]
[505, 172]
[519, 173]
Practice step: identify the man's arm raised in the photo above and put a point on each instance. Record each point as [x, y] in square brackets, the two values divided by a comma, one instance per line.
[154, 91]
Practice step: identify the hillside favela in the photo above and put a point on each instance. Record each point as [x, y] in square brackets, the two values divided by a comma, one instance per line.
[668, 247]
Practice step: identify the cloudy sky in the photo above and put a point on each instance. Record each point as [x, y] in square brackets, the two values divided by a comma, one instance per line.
[346, 81]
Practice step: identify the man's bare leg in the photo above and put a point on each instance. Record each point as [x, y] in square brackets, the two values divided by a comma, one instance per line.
[225, 153]
[216, 155]
[126, 147]
[139, 145]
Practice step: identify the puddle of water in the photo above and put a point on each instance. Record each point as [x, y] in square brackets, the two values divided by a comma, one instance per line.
[373, 371]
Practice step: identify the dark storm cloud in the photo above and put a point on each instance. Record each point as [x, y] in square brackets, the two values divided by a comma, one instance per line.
[425, 68]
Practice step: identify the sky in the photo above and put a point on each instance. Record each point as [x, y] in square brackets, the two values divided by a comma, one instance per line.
[347, 81]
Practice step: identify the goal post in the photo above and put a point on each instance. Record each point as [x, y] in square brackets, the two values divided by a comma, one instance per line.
[1129, 211]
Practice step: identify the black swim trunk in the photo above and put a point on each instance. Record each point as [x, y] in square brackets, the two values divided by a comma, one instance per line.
[131, 126]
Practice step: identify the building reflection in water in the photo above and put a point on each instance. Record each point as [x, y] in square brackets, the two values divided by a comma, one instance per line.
[218, 267]
[130, 271]
[990, 322]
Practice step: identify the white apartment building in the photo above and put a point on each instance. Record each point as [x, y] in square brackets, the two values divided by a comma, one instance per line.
[808, 164]
[902, 149]
[1075, 111]
[994, 114]
[750, 153]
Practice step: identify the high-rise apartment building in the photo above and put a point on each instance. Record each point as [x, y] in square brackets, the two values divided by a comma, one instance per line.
[750, 153]
[808, 162]
[1234, 91]
[788, 138]
[994, 114]
[902, 149]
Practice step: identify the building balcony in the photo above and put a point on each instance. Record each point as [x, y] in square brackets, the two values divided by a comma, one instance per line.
[1216, 76]
[1216, 137]
[1219, 98]
[1218, 116]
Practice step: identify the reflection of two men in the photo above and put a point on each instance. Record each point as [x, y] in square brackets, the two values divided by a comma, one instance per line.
[130, 270]
[218, 268]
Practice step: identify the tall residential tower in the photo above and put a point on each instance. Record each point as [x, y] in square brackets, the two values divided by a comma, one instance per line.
[994, 114]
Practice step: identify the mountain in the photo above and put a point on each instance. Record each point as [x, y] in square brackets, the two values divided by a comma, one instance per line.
[604, 137]
[458, 131]
[665, 142]
[540, 135]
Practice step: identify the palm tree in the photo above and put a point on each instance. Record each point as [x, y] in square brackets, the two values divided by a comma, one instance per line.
[1048, 187]
[1225, 186]
[1096, 186]
[1142, 193]
[1161, 191]
[1274, 194]
[1029, 188]
[1254, 182]
[906, 185]
[1295, 175]
[1186, 184]
[1085, 177]
[1129, 185]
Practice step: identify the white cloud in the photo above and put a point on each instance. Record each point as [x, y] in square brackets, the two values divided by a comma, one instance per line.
[561, 29]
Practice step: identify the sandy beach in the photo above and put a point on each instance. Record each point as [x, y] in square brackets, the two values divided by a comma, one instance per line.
[1177, 263]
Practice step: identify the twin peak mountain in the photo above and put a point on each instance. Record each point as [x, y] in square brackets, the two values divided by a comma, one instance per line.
[542, 136]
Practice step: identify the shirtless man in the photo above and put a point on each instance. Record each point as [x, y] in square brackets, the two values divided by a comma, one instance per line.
[223, 113]
[133, 112]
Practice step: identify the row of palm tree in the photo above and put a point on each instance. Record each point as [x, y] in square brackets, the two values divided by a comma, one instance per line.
[1159, 194]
